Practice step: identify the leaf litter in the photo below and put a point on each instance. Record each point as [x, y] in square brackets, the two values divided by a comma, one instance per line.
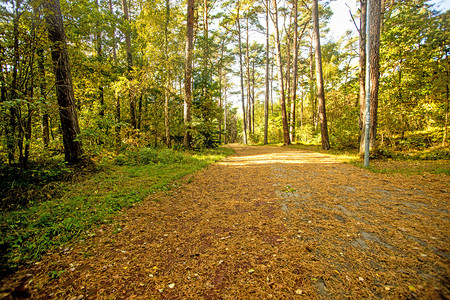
[267, 222]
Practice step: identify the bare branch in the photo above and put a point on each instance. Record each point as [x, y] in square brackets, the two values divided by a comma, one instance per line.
[351, 15]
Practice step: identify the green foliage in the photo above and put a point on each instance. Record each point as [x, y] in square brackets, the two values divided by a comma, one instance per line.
[205, 135]
[145, 156]
[41, 181]
[28, 233]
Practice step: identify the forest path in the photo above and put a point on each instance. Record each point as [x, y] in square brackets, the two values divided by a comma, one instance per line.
[267, 222]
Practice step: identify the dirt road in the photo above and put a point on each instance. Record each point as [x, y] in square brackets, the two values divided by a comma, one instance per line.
[267, 222]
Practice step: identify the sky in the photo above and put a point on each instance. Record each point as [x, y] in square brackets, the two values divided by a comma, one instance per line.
[341, 21]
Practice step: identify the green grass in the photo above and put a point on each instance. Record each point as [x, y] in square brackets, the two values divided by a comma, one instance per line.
[28, 233]
[407, 167]
[428, 161]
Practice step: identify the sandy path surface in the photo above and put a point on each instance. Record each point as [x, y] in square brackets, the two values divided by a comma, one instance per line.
[267, 222]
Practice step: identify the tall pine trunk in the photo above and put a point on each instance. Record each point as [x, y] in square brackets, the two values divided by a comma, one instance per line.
[266, 97]
[168, 82]
[129, 53]
[43, 95]
[312, 93]
[362, 75]
[319, 78]
[247, 59]
[241, 72]
[287, 141]
[11, 137]
[63, 81]
[375, 27]
[188, 75]
[99, 49]
[294, 75]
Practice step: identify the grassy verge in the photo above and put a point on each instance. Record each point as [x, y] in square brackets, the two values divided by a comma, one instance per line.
[428, 161]
[28, 233]
[408, 167]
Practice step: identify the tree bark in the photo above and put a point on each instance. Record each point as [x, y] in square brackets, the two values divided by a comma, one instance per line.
[266, 97]
[167, 89]
[375, 26]
[113, 35]
[188, 75]
[126, 17]
[99, 49]
[118, 120]
[288, 68]
[319, 78]
[247, 59]
[287, 141]
[294, 75]
[444, 138]
[241, 72]
[312, 96]
[11, 138]
[63, 82]
[362, 75]
[225, 114]
[253, 97]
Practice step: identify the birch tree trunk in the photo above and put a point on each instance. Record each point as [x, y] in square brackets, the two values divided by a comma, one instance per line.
[319, 78]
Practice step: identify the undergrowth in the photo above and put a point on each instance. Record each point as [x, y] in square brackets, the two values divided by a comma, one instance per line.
[29, 232]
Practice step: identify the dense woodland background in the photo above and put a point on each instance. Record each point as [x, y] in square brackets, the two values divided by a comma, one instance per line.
[127, 63]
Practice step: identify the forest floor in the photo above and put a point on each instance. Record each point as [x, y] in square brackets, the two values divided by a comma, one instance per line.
[266, 222]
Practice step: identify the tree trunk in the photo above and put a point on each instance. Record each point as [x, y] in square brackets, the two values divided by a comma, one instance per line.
[294, 75]
[287, 141]
[444, 138]
[98, 39]
[127, 33]
[167, 89]
[288, 68]
[241, 72]
[188, 75]
[375, 23]
[253, 97]
[247, 59]
[319, 78]
[118, 120]
[221, 86]
[301, 104]
[11, 139]
[139, 113]
[266, 96]
[63, 82]
[113, 35]
[225, 115]
[312, 96]
[362, 75]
